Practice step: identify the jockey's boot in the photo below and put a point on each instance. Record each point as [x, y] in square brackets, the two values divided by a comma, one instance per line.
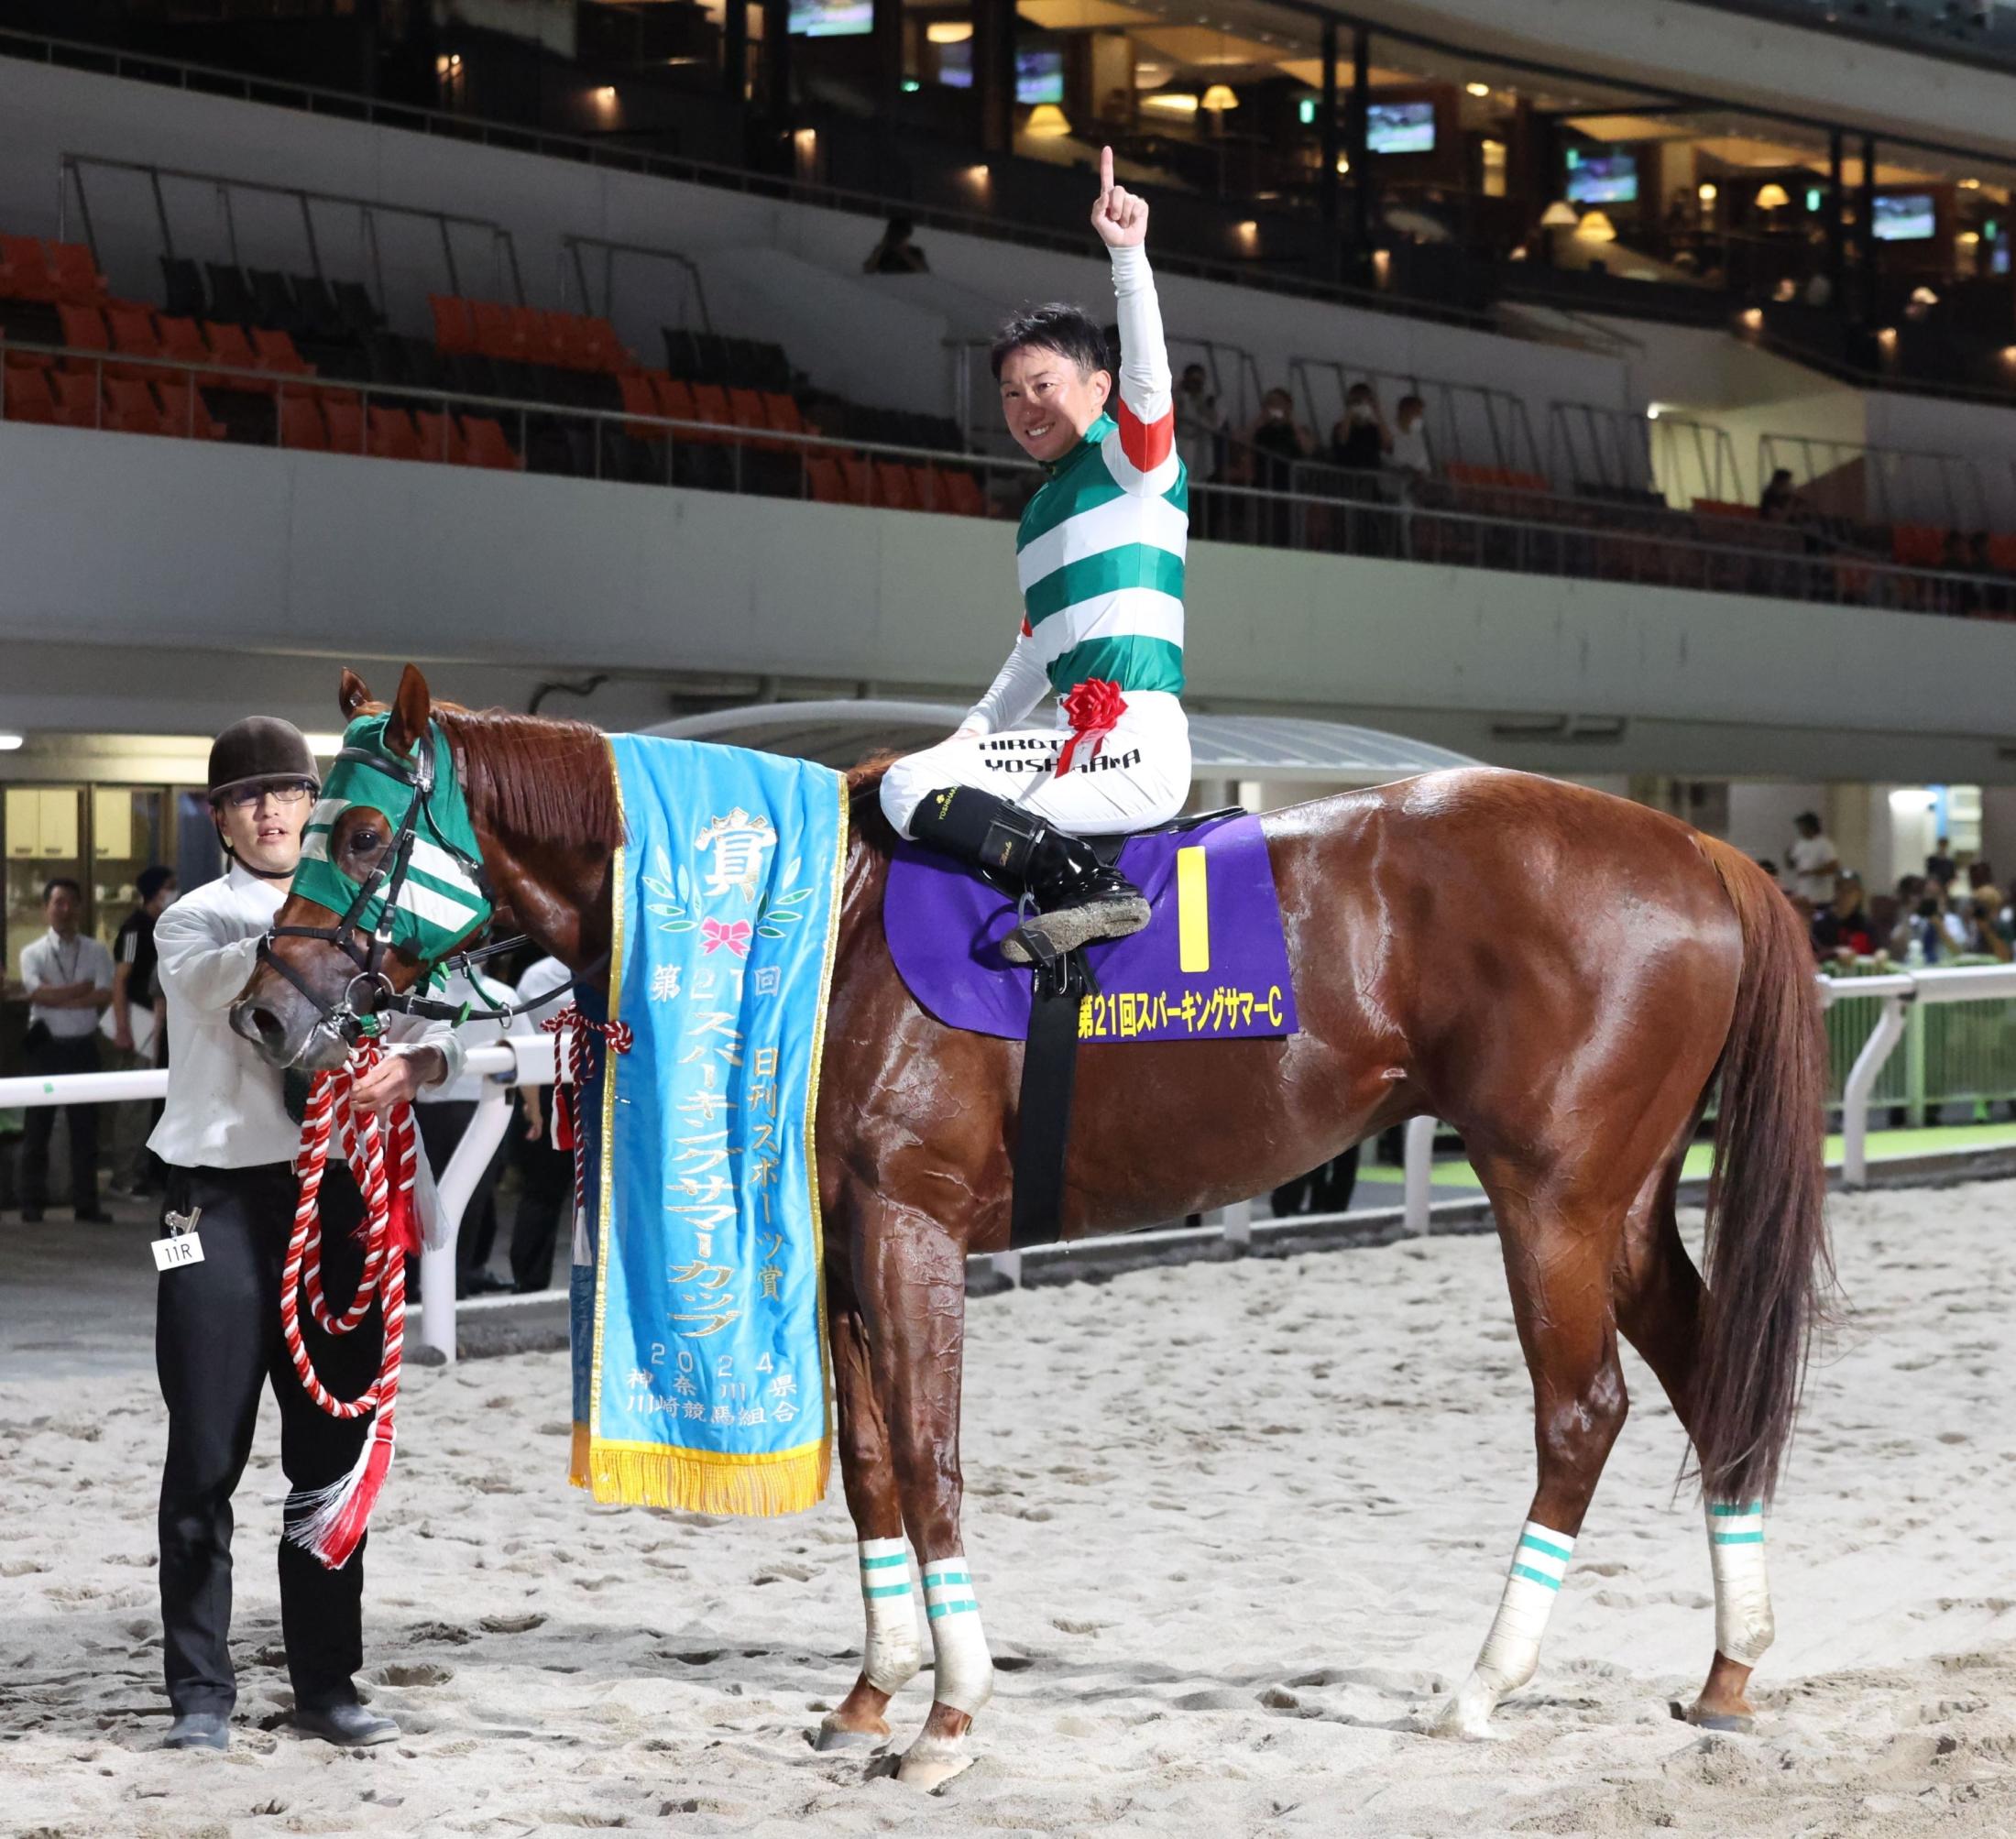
[1079, 899]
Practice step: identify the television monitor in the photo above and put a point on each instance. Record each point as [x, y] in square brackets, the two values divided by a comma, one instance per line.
[832, 19]
[956, 64]
[1905, 217]
[1039, 76]
[1602, 177]
[1400, 127]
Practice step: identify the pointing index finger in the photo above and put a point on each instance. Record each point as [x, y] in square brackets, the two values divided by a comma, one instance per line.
[1105, 170]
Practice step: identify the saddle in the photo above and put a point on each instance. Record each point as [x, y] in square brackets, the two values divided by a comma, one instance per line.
[1211, 965]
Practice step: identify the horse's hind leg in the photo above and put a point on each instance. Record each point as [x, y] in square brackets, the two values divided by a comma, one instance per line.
[1559, 1252]
[1659, 1301]
[892, 1654]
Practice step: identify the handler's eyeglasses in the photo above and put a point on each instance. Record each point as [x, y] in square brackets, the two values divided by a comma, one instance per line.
[288, 792]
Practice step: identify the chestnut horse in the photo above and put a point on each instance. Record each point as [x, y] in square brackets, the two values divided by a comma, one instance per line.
[1560, 974]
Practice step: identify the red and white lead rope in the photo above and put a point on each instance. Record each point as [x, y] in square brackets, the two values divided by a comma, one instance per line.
[573, 1029]
[331, 1522]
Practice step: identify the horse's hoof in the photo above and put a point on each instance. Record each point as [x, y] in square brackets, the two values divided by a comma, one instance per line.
[1467, 1715]
[834, 1737]
[1739, 1723]
[931, 1762]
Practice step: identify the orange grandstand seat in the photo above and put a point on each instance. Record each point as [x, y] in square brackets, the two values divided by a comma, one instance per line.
[601, 347]
[440, 439]
[452, 330]
[1918, 545]
[710, 404]
[181, 340]
[393, 435]
[781, 412]
[77, 277]
[132, 335]
[893, 485]
[25, 394]
[1515, 480]
[959, 493]
[275, 352]
[231, 348]
[2001, 554]
[824, 479]
[641, 399]
[675, 399]
[344, 420]
[24, 272]
[84, 330]
[77, 403]
[302, 425]
[860, 480]
[568, 341]
[1722, 508]
[130, 406]
[533, 335]
[495, 334]
[486, 444]
[745, 407]
[185, 412]
[924, 488]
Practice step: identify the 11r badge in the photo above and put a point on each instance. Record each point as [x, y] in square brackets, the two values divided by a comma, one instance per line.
[181, 1246]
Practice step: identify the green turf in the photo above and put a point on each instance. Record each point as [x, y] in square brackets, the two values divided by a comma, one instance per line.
[1884, 1145]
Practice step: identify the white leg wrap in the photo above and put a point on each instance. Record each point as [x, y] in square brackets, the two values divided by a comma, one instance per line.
[893, 1654]
[1512, 1650]
[1743, 1596]
[965, 1671]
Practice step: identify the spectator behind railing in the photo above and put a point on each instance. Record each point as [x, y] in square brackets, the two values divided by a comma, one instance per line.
[1361, 440]
[896, 254]
[1275, 444]
[1843, 929]
[1781, 502]
[1200, 426]
[1815, 862]
[1407, 451]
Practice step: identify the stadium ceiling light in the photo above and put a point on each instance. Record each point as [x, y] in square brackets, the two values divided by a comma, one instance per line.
[1970, 185]
[1559, 215]
[1596, 228]
[1772, 196]
[1048, 122]
[1478, 90]
[948, 31]
[1219, 98]
[1923, 297]
[1706, 191]
[10, 741]
[1343, 164]
[1173, 104]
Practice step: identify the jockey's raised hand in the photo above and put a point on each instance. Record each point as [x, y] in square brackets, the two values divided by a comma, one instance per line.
[1121, 218]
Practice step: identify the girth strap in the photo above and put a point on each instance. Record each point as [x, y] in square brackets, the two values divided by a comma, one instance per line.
[1043, 1121]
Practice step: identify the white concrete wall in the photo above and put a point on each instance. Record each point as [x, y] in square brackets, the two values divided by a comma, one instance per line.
[231, 553]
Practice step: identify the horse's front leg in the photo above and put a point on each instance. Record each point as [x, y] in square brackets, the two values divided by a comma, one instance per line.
[911, 1273]
[892, 1654]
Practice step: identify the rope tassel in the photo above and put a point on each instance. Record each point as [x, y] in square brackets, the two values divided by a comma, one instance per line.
[331, 1522]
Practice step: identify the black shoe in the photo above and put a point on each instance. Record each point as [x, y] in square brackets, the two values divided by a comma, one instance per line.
[350, 1725]
[198, 1730]
[1107, 906]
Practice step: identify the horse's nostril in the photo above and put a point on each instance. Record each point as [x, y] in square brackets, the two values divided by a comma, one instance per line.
[268, 1026]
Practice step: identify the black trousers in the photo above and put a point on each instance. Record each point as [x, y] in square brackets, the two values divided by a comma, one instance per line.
[545, 1197]
[217, 1344]
[54, 1056]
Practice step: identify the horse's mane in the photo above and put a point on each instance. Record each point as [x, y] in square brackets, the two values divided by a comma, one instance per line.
[864, 810]
[535, 777]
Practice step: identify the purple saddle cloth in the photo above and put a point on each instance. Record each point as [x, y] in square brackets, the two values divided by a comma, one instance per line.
[945, 927]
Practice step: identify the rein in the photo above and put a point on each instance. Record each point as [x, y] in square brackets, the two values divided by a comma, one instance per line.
[330, 1522]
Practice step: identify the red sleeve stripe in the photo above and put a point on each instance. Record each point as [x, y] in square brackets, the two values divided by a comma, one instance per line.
[1146, 443]
[1029, 632]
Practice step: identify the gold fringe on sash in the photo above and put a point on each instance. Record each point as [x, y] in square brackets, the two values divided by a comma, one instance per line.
[577, 1458]
[709, 1482]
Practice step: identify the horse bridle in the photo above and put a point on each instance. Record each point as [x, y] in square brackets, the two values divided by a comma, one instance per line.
[350, 1017]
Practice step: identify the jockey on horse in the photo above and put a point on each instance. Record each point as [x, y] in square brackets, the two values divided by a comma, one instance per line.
[1100, 558]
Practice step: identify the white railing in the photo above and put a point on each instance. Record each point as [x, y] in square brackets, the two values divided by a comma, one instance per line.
[493, 1070]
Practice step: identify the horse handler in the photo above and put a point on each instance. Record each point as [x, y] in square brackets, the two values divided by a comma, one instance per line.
[229, 1143]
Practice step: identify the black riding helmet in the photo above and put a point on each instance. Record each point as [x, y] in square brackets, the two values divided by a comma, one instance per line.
[259, 747]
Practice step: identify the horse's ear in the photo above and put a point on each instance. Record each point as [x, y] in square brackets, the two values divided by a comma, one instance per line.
[411, 710]
[352, 695]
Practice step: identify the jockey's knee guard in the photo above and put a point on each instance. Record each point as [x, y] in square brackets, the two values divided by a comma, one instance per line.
[978, 827]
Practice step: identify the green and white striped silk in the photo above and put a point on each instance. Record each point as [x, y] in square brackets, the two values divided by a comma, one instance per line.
[1100, 569]
[439, 904]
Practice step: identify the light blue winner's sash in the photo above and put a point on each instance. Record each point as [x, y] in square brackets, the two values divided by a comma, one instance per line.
[708, 1383]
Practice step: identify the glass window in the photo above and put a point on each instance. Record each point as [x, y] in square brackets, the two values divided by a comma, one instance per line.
[129, 826]
[43, 838]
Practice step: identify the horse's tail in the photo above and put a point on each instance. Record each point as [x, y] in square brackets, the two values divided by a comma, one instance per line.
[1768, 1266]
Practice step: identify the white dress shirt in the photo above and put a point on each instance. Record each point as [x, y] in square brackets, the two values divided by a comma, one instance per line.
[225, 1108]
[49, 963]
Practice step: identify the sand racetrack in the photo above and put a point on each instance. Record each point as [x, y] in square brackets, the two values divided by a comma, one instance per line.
[1234, 1529]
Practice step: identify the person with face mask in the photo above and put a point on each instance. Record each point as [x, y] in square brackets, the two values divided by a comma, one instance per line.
[229, 1141]
[1360, 439]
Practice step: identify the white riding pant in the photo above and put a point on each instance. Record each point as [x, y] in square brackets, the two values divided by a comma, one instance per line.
[1139, 777]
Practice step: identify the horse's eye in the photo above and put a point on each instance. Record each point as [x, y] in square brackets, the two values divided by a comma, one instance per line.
[366, 839]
